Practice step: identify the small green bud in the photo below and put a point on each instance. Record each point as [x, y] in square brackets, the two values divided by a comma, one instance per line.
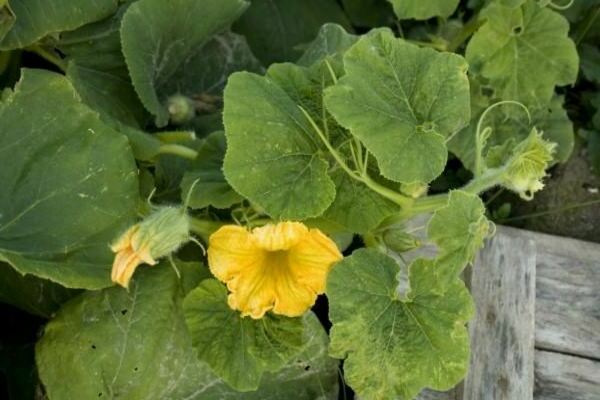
[400, 241]
[181, 109]
[527, 166]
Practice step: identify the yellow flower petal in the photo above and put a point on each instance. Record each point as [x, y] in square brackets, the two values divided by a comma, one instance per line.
[232, 249]
[124, 265]
[281, 236]
[128, 257]
[280, 267]
[124, 241]
[312, 258]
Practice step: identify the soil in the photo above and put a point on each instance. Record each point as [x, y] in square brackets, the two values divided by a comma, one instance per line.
[569, 185]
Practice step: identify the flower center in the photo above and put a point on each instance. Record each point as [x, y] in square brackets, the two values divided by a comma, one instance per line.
[276, 261]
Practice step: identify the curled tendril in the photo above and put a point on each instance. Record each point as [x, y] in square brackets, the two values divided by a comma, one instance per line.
[555, 6]
[482, 135]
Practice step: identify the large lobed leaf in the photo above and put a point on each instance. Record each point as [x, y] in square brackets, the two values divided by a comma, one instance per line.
[69, 184]
[423, 9]
[134, 344]
[159, 37]
[35, 19]
[402, 102]
[524, 52]
[239, 349]
[96, 68]
[277, 29]
[395, 345]
[272, 151]
[204, 182]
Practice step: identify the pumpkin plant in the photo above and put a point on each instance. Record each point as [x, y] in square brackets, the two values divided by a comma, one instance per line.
[192, 182]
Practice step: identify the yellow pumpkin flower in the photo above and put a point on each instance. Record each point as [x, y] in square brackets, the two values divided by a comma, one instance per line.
[158, 235]
[128, 257]
[280, 267]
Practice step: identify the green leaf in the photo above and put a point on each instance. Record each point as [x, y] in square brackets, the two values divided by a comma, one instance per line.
[590, 62]
[423, 9]
[356, 207]
[7, 19]
[458, 230]
[118, 343]
[509, 123]
[272, 151]
[369, 13]
[331, 42]
[402, 102]
[239, 350]
[312, 375]
[33, 295]
[69, 185]
[152, 34]
[206, 71]
[395, 347]
[97, 69]
[524, 52]
[205, 173]
[36, 19]
[276, 28]
[136, 345]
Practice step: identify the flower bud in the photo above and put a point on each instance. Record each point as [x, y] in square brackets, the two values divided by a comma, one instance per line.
[400, 241]
[181, 109]
[527, 166]
[158, 235]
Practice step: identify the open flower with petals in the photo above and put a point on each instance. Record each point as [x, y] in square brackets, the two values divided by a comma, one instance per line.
[280, 267]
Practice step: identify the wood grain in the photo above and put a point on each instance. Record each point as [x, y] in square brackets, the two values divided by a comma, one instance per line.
[562, 377]
[568, 293]
[503, 330]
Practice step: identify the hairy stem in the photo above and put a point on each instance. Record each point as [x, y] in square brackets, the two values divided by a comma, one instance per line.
[388, 193]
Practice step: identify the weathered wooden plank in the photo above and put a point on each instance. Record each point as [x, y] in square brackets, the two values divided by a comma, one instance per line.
[562, 377]
[503, 330]
[568, 293]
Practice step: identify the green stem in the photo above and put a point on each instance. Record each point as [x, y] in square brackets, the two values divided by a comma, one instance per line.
[398, 198]
[467, 30]
[487, 180]
[428, 204]
[178, 150]
[48, 56]
[388, 193]
[176, 136]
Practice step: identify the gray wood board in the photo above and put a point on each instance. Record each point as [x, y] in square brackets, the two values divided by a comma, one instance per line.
[568, 293]
[502, 331]
[563, 377]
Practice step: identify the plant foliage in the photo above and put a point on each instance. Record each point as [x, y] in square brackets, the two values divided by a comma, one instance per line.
[349, 116]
